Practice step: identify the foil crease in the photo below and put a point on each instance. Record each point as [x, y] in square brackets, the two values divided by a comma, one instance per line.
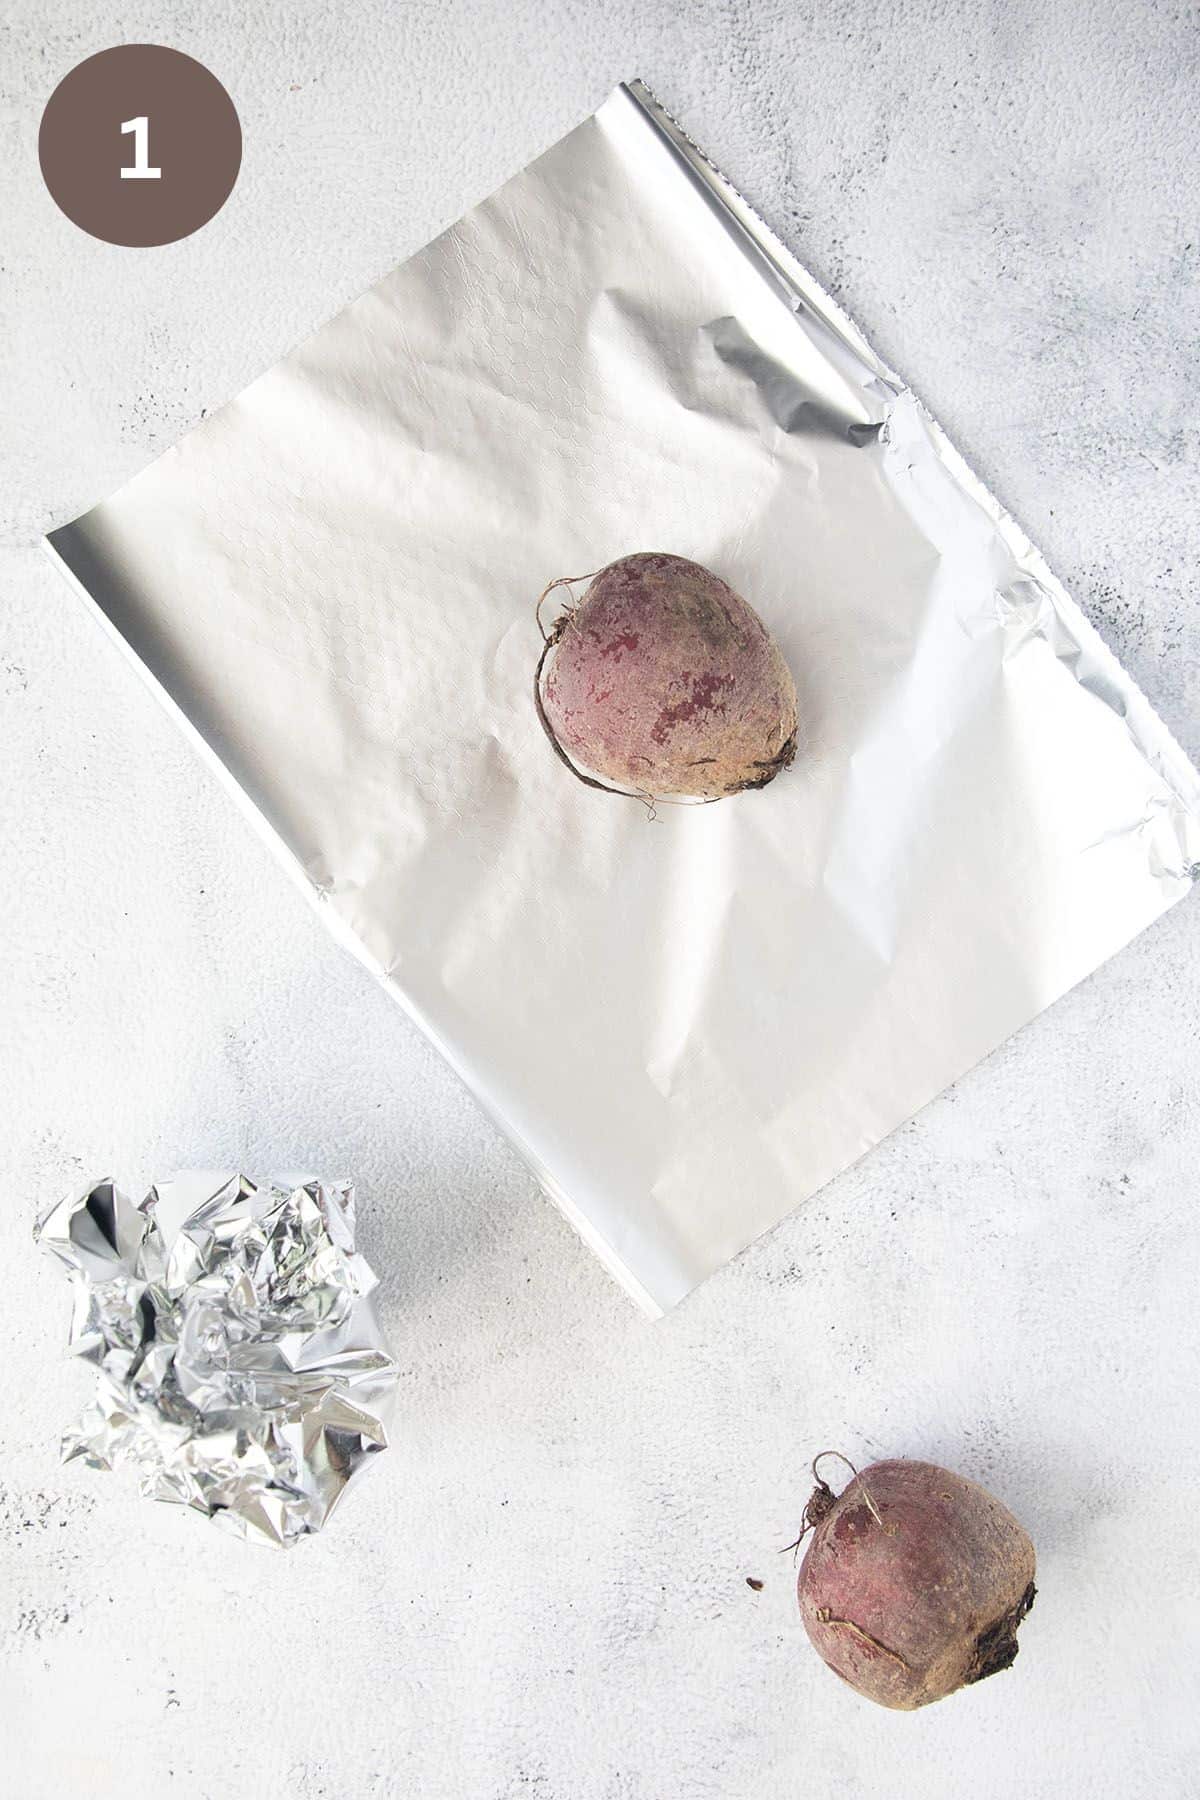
[687, 1027]
[240, 1367]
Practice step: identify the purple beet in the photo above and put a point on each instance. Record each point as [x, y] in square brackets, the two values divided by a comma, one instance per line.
[662, 682]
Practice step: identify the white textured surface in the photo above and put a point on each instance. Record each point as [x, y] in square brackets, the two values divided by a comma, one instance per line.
[542, 1589]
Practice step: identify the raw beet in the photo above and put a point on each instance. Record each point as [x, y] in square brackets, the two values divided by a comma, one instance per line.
[914, 1583]
[662, 682]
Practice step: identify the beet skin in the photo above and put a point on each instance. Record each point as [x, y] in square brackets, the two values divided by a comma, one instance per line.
[909, 1610]
[664, 682]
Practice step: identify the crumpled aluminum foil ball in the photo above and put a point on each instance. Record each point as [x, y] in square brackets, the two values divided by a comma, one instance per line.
[240, 1364]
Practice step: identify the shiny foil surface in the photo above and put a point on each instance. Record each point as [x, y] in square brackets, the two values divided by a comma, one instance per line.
[686, 1025]
[240, 1367]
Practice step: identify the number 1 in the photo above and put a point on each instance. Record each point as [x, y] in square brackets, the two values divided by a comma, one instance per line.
[141, 170]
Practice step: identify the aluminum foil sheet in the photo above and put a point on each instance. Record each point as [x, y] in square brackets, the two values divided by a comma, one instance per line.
[687, 1025]
[240, 1366]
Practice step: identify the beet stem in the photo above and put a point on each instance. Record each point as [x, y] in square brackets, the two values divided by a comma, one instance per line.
[871, 1506]
[561, 581]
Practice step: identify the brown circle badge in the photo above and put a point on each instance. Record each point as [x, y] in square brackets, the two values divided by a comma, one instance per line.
[140, 145]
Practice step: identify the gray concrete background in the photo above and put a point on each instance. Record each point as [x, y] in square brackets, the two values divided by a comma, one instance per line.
[542, 1590]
